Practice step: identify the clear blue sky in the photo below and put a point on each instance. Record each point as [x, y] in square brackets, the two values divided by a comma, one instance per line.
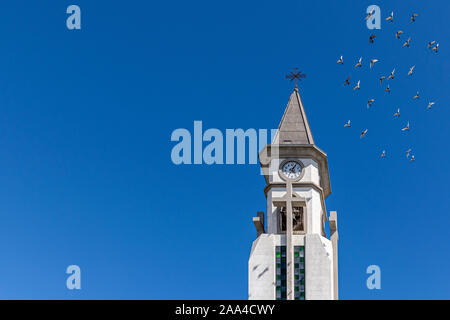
[85, 124]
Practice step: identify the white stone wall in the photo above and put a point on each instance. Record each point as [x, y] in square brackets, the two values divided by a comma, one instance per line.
[314, 210]
[318, 266]
[261, 268]
[311, 171]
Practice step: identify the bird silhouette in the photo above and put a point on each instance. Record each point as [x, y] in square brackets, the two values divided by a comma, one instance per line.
[391, 76]
[372, 62]
[435, 48]
[408, 152]
[406, 44]
[347, 81]
[369, 14]
[407, 128]
[363, 134]
[391, 17]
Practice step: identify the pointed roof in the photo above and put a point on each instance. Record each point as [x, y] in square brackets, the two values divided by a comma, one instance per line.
[294, 127]
[294, 139]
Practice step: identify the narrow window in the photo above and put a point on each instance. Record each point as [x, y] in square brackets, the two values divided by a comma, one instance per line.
[280, 262]
[298, 219]
[299, 272]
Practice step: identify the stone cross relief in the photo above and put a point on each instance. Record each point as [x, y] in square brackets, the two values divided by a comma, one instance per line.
[289, 200]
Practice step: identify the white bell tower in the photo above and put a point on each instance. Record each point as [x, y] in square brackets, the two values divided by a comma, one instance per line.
[292, 257]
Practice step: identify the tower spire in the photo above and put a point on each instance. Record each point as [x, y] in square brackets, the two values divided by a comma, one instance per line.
[294, 127]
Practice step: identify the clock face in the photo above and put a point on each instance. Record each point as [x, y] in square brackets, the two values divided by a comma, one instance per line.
[292, 169]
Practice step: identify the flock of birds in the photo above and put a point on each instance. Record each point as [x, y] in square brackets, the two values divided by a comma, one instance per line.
[433, 45]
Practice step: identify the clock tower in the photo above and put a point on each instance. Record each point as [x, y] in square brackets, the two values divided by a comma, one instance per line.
[292, 257]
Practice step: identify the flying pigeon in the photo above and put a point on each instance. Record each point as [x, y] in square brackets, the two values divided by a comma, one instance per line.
[408, 152]
[372, 37]
[347, 81]
[429, 105]
[391, 76]
[416, 96]
[363, 134]
[391, 17]
[435, 48]
[341, 60]
[411, 70]
[406, 128]
[381, 79]
[347, 125]
[388, 90]
[413, 158]
[413, 17]
[406, 44]
[397, 114]
[369, 103]
[430, 44]
[398, 33]
[357, 87]
[383, 154]
[372, 62]
[370, 14]
[359, 63]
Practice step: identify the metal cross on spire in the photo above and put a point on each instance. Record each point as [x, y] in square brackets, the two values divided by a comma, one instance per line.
[295, 76]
